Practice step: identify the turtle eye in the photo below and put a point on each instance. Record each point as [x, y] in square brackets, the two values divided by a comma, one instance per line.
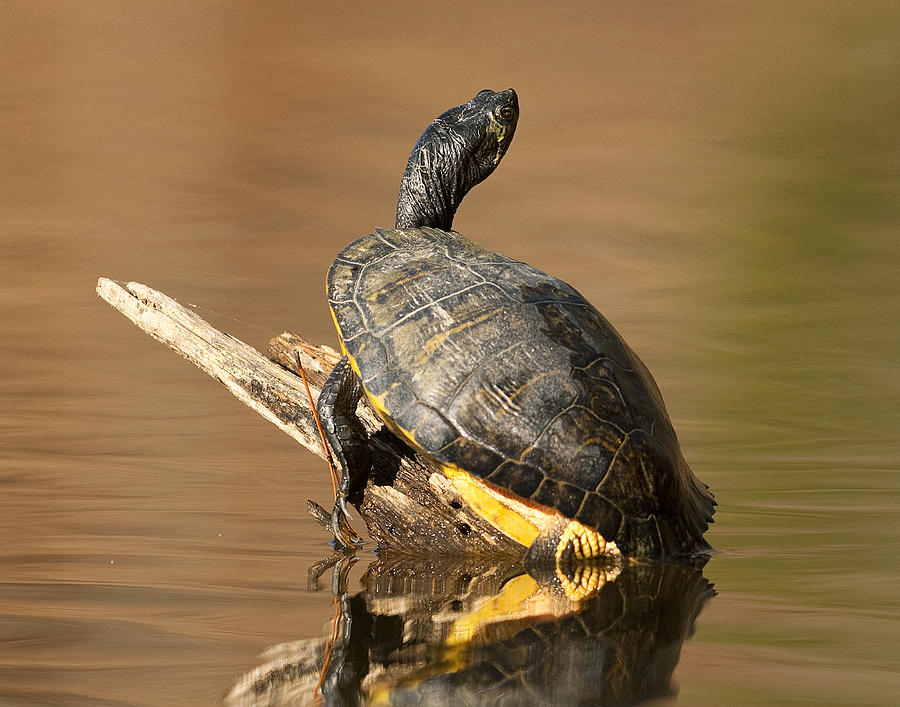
[505, 113]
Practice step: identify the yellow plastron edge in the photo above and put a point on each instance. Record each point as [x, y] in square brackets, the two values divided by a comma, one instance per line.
[521, 522]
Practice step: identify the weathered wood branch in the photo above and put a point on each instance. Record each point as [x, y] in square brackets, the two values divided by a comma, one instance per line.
[406, 505]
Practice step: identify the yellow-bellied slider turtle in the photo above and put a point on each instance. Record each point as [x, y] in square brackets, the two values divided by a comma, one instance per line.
[516, 387]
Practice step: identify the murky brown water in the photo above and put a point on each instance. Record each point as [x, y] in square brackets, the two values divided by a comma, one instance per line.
[722, 181]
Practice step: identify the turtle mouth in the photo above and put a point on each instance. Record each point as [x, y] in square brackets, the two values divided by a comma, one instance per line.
[503, 123]
[504, 133]
[504, 129]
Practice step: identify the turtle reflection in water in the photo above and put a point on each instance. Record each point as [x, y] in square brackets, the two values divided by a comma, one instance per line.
[484, 634]
[506, 378]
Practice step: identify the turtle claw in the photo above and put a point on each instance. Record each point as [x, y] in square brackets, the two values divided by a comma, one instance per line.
[337, 523]
[344, 535]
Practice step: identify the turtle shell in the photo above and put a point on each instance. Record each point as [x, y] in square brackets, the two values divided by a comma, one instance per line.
[490, 366]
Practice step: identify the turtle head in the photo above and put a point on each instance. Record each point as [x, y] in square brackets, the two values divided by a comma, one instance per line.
[457, 151]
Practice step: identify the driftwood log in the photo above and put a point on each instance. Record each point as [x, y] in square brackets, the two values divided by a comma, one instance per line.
[406, 505]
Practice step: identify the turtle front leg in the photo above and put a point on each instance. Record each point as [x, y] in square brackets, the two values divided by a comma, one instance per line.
[348, 440]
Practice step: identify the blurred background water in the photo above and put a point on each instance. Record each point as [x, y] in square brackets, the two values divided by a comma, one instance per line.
[721, 179]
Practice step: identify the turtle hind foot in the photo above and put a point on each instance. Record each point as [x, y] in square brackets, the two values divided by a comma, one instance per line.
[337, 523]
[344, 535]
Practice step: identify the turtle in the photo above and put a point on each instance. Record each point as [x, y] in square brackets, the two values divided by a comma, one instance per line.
[505, 378]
